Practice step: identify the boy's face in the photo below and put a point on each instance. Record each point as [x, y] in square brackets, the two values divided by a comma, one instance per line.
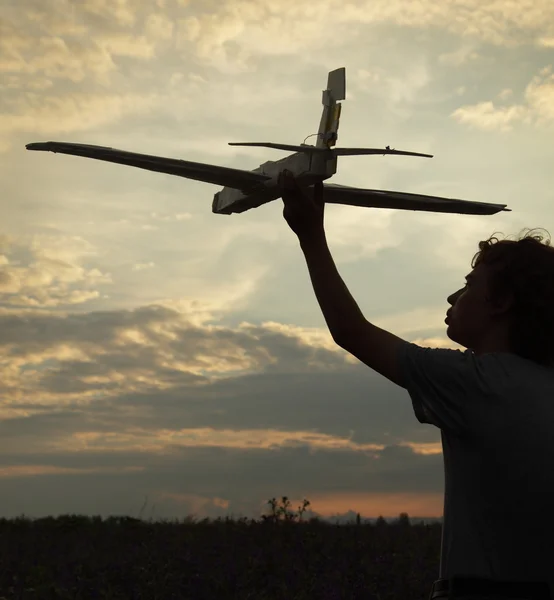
[471, 318]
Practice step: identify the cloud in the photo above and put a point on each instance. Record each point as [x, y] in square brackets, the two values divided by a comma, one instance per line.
[77, 51]
[142, 393]
[215, 481]
[539, 95]
[485, 115]
[463, 55]
[505, 94]
[74, 50]
[158, 26]
[152, 348]
[142, 266]
[52, 57]
[121, 44]
[547, 42]
[537, 108]
[401, 88]
[50, 114]
[239, 31]
[154, 216]
[48, 271]
[162, 355]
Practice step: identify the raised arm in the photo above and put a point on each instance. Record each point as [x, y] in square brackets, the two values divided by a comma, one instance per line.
[374, 346]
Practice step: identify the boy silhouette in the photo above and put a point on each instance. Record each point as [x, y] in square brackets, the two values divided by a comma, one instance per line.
[493, 402]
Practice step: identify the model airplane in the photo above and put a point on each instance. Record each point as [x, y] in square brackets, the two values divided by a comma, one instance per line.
[309, 164]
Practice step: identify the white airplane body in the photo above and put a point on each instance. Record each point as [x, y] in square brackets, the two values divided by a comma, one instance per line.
[307, 168]
[310, 164]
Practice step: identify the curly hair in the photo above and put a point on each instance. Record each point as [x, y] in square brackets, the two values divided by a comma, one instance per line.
[525, 268]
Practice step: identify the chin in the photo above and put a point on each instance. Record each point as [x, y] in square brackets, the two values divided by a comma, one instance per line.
[451, 333]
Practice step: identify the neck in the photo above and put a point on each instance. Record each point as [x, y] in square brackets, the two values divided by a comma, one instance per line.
[494, 341]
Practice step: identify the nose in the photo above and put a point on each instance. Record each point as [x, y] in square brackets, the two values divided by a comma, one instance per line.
[453, 297]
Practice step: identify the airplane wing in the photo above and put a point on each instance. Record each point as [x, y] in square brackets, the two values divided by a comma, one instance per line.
[235, 178]
[338, 194]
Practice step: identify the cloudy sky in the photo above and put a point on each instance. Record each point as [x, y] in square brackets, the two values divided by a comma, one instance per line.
[149, 348]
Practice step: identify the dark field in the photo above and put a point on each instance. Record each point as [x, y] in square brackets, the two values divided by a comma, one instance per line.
[279, 556]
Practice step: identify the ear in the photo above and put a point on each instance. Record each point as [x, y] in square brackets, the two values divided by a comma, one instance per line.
[501, 304]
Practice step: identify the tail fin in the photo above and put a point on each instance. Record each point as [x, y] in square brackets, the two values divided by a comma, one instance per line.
[329, 124]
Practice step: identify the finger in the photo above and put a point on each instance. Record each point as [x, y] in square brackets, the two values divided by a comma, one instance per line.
[289, 181]
[318, 193]
[282, 183]
[289, 188]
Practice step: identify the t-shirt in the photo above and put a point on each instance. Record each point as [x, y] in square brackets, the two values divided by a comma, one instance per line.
[496, 416]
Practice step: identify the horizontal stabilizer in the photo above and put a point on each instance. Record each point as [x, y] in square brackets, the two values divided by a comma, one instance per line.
[334, 151]
[338, 194]
[360, 151]
[288, 147]
[235, 178]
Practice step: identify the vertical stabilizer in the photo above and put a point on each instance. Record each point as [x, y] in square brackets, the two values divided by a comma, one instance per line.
[329, 124]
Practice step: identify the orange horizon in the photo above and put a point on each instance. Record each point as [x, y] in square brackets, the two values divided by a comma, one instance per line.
[387, 505]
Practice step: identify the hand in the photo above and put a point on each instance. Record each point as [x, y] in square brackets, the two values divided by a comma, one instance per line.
[303, 211]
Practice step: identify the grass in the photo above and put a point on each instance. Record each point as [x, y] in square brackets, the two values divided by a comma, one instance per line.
[280, 556]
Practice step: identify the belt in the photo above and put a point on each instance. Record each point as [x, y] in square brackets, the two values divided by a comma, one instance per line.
[457, 587]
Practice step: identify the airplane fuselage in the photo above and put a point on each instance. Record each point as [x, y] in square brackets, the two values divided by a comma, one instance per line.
[308, 168]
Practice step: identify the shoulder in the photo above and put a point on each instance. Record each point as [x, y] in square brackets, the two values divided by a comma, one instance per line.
[448, 363]
[449, 388]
